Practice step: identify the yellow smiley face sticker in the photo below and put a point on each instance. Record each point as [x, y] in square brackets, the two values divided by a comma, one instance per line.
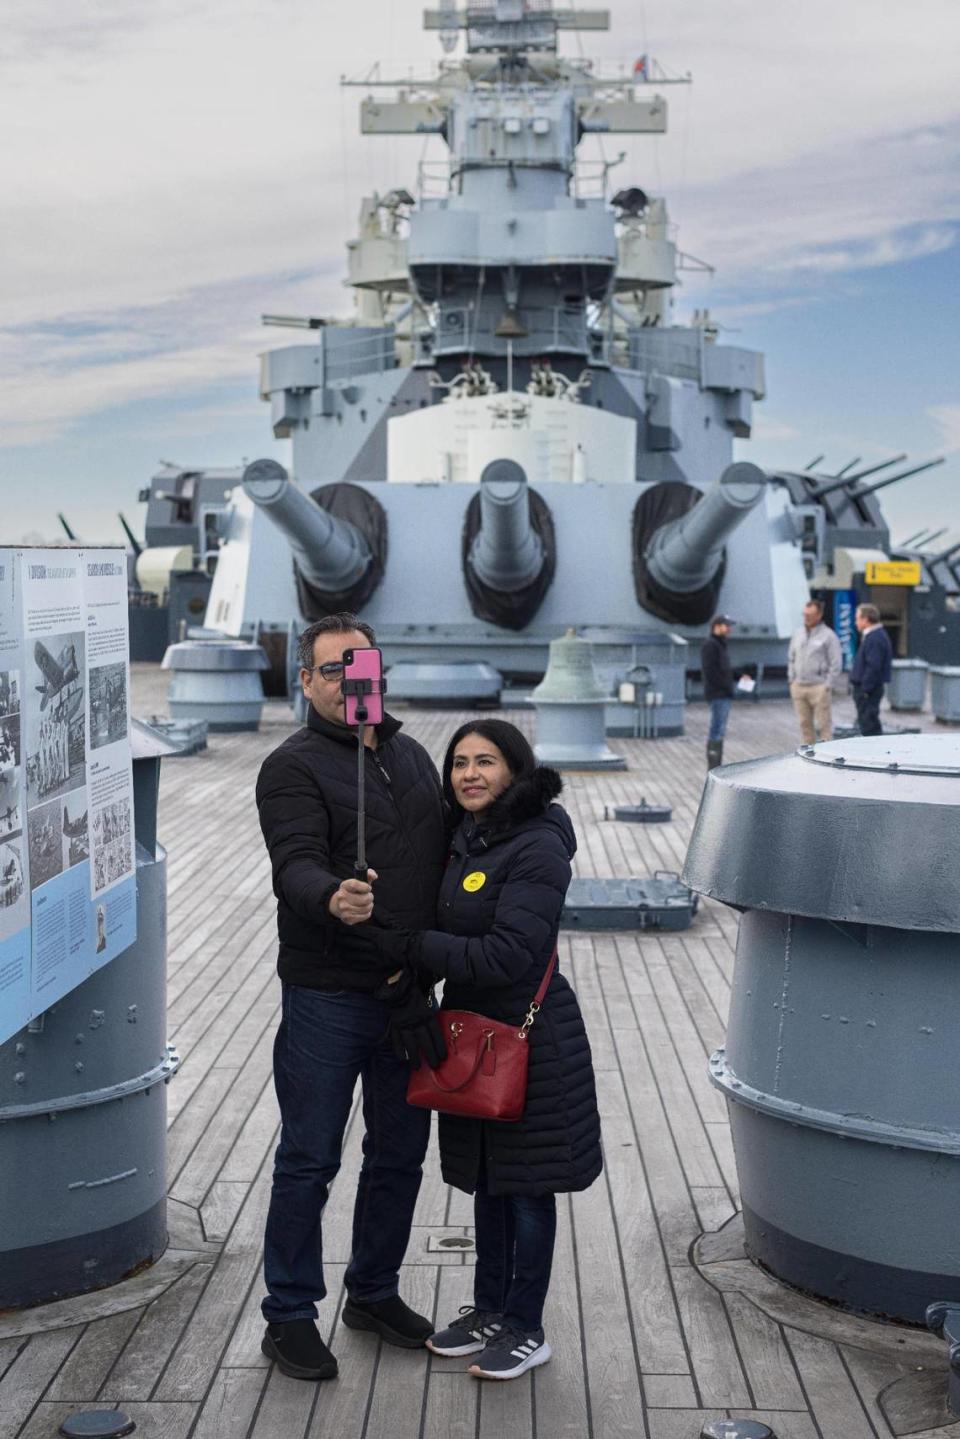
[474, 881]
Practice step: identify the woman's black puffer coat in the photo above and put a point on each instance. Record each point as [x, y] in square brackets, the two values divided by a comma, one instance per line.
[500, 903]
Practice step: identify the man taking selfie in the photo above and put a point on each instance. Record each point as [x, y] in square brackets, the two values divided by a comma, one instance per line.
[334, 1027]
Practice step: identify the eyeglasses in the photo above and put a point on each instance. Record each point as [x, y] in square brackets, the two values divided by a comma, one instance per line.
[332, 670]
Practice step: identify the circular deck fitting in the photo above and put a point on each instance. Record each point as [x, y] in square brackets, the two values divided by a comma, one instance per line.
[919, 754]
[97, 1424]
[736, 1429]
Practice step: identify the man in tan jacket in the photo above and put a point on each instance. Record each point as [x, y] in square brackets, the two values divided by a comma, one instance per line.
[815, 664]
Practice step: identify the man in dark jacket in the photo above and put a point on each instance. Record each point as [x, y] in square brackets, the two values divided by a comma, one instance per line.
[871, 669]
[334, 1026]
[718, 688]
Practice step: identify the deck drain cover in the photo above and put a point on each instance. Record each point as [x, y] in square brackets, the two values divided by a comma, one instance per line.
[444, 1243]
[736, 1429]
[97, 1424]
[641, 813]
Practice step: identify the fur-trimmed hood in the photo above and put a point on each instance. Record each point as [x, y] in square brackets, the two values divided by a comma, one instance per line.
[524, 802]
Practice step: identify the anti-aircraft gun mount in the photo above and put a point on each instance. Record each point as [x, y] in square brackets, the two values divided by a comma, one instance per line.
[513, 317]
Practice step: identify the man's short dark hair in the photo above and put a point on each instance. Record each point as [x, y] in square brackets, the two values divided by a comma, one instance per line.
[817, 604]
[343, 623]
[511, 742]
[870, 613]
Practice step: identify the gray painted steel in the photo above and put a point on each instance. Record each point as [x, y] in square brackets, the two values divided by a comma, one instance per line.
[945, 692]
[570, 704]
[507, 554]
[83, 1123]
[458, 684]
[218, 682]
[655, 662]
[684, 555]
[658, 901]
[331, 554]
[841, 1054]
[907, 689]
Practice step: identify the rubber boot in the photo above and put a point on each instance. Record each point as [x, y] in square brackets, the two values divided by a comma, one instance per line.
[714, 753]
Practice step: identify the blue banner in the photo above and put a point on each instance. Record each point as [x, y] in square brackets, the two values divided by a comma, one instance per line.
[844, 609]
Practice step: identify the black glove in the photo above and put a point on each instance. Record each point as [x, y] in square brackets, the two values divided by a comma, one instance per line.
[398, 948]
[413, 1022]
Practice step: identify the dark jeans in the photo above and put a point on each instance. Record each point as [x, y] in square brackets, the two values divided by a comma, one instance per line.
[515, 1237]
[324, 1043]
[868, 709]
[719, 714]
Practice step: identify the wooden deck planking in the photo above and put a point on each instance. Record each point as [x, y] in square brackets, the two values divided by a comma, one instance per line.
[643, 1344]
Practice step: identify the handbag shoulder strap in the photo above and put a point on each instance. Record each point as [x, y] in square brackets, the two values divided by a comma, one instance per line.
[547, 976]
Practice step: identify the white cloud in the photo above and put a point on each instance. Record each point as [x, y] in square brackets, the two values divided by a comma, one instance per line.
[947, 420]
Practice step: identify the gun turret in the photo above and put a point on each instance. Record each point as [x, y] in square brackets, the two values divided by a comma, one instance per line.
[685, 555]
[332, 556]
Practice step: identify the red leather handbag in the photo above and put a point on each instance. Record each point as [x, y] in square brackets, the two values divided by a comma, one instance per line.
[484, 1075]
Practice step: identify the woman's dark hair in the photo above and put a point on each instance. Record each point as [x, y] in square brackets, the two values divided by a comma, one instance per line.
[512, 744]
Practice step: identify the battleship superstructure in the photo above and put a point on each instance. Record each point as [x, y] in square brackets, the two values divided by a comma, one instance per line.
[512, 435]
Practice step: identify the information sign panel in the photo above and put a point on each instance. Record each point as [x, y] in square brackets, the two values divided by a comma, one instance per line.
[67, 864]
[892, 572]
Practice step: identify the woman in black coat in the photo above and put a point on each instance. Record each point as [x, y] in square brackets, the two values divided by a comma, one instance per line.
[498, 916]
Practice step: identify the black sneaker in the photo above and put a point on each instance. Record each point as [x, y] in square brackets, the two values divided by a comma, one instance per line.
[297, 1350]
[393, 1320]
[510, 1354]
[467, 1334]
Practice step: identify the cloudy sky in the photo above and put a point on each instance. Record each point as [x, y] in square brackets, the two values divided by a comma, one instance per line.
[175, 168]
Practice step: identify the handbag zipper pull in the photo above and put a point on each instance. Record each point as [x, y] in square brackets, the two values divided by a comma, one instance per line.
[488, 1064]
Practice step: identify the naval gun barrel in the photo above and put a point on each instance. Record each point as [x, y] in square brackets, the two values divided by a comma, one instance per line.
[507, 553]
[685, 554]
[331, 554]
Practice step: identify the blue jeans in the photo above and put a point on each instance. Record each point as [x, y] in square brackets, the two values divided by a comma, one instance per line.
[324, 1043]
[515, 1238]
[719, 714]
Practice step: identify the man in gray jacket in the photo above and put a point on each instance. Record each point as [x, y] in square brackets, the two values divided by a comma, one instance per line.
[815, 664]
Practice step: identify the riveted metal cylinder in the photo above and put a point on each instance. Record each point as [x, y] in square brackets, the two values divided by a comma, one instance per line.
[83, 1123]
[840, 1062]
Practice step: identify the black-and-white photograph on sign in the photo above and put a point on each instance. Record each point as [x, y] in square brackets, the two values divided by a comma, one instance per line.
[108, 704]
[9, 692]
[12, 889]
[11, 796]
[76, 835]
[55, 719]
[112, 846]
[46, 843]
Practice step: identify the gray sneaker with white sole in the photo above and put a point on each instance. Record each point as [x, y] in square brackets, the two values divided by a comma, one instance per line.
[511, 1353]
[468, 1333]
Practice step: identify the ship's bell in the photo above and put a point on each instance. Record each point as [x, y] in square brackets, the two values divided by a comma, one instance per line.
[510, 327]
[571, 707]
[570, 674]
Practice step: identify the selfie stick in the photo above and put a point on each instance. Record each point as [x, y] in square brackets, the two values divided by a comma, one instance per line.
[360, 687]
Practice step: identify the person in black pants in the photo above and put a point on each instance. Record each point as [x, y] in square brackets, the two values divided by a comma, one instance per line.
[718, 687]
[498, 916]
[871, 669]
[336, 1023]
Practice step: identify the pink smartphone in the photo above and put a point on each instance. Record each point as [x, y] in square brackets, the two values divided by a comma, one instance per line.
[363, 686]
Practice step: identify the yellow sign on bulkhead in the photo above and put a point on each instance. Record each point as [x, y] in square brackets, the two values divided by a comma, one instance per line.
[475, 881]
[892, 572]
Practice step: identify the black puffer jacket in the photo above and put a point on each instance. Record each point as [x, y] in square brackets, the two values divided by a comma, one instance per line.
[307, 801]
[499, 933]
